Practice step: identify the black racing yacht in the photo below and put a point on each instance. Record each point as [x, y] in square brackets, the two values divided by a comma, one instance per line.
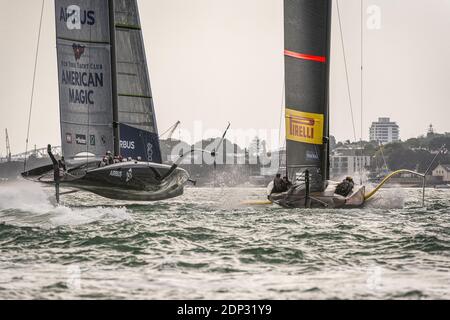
[106, 104]
[307, 69]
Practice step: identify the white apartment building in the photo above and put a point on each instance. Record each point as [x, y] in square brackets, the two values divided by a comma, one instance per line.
[384, 131]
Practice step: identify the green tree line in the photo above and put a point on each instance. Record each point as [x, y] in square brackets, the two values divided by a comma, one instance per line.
[413, 154]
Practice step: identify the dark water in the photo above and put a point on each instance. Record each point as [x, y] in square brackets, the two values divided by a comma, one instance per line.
[205, 246]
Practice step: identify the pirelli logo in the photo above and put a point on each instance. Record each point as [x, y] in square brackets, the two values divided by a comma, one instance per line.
[304, 127]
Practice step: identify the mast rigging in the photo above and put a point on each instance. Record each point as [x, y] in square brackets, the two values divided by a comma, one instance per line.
[33, 85]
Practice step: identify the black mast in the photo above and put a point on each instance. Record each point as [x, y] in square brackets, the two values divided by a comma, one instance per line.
[326, 163]
[115, 103]
[307, 71]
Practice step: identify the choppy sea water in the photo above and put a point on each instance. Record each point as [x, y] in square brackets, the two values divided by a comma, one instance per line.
[205, 245]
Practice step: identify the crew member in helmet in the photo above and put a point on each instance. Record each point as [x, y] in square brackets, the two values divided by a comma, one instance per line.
[110, 157]
[277, 184]
[103, 163]
[345, 188]
[286, 184]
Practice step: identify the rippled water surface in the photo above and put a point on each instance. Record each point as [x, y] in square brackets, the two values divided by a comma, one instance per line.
[205, 245]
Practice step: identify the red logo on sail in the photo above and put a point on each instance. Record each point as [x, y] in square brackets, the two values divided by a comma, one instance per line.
[78, 50]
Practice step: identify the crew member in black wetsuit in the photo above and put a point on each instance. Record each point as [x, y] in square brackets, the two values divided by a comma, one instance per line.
[286, 184]
[345, 187]
[277, 184]
[103, 163]
[110, 157]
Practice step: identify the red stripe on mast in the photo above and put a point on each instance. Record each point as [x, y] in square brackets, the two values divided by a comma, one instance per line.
[305, 56]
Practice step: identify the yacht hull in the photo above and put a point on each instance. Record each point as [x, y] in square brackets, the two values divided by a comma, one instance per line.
[132, 181]
[325, 199]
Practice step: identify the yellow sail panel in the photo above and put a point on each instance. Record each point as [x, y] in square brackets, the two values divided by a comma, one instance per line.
[304, 127]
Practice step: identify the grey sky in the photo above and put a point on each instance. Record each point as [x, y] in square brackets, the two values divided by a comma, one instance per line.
[219, 61]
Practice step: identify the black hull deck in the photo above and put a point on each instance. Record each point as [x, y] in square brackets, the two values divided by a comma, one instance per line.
[131, 181]
[326, 199]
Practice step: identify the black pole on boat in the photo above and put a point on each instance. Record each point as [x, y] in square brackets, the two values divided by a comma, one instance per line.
[307, 196]
[423, 190]
[442, 150]
[115, 97]
[214, 152]
[56, 176]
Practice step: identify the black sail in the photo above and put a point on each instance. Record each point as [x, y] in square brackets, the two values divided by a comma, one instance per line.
[135, 110]
[307, 65]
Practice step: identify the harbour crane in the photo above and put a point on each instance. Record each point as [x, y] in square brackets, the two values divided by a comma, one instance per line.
[8, 147]
[171, 130]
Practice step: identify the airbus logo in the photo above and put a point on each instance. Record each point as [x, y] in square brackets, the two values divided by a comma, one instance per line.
[116, 174]
[75, 18]
[129, 145]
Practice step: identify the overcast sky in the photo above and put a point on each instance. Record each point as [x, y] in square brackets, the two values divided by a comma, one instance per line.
[217, 61]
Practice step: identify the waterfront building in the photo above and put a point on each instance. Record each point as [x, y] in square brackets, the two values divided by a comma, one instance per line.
[348, 162]
[442, 171]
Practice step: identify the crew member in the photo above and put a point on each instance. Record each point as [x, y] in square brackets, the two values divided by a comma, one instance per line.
[103, 163]
[345, 187]
[110, 157]
[277, 184]
[286, 184]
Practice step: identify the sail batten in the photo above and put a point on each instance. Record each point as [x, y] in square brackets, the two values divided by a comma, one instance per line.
[307, 46]
[123, 26]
